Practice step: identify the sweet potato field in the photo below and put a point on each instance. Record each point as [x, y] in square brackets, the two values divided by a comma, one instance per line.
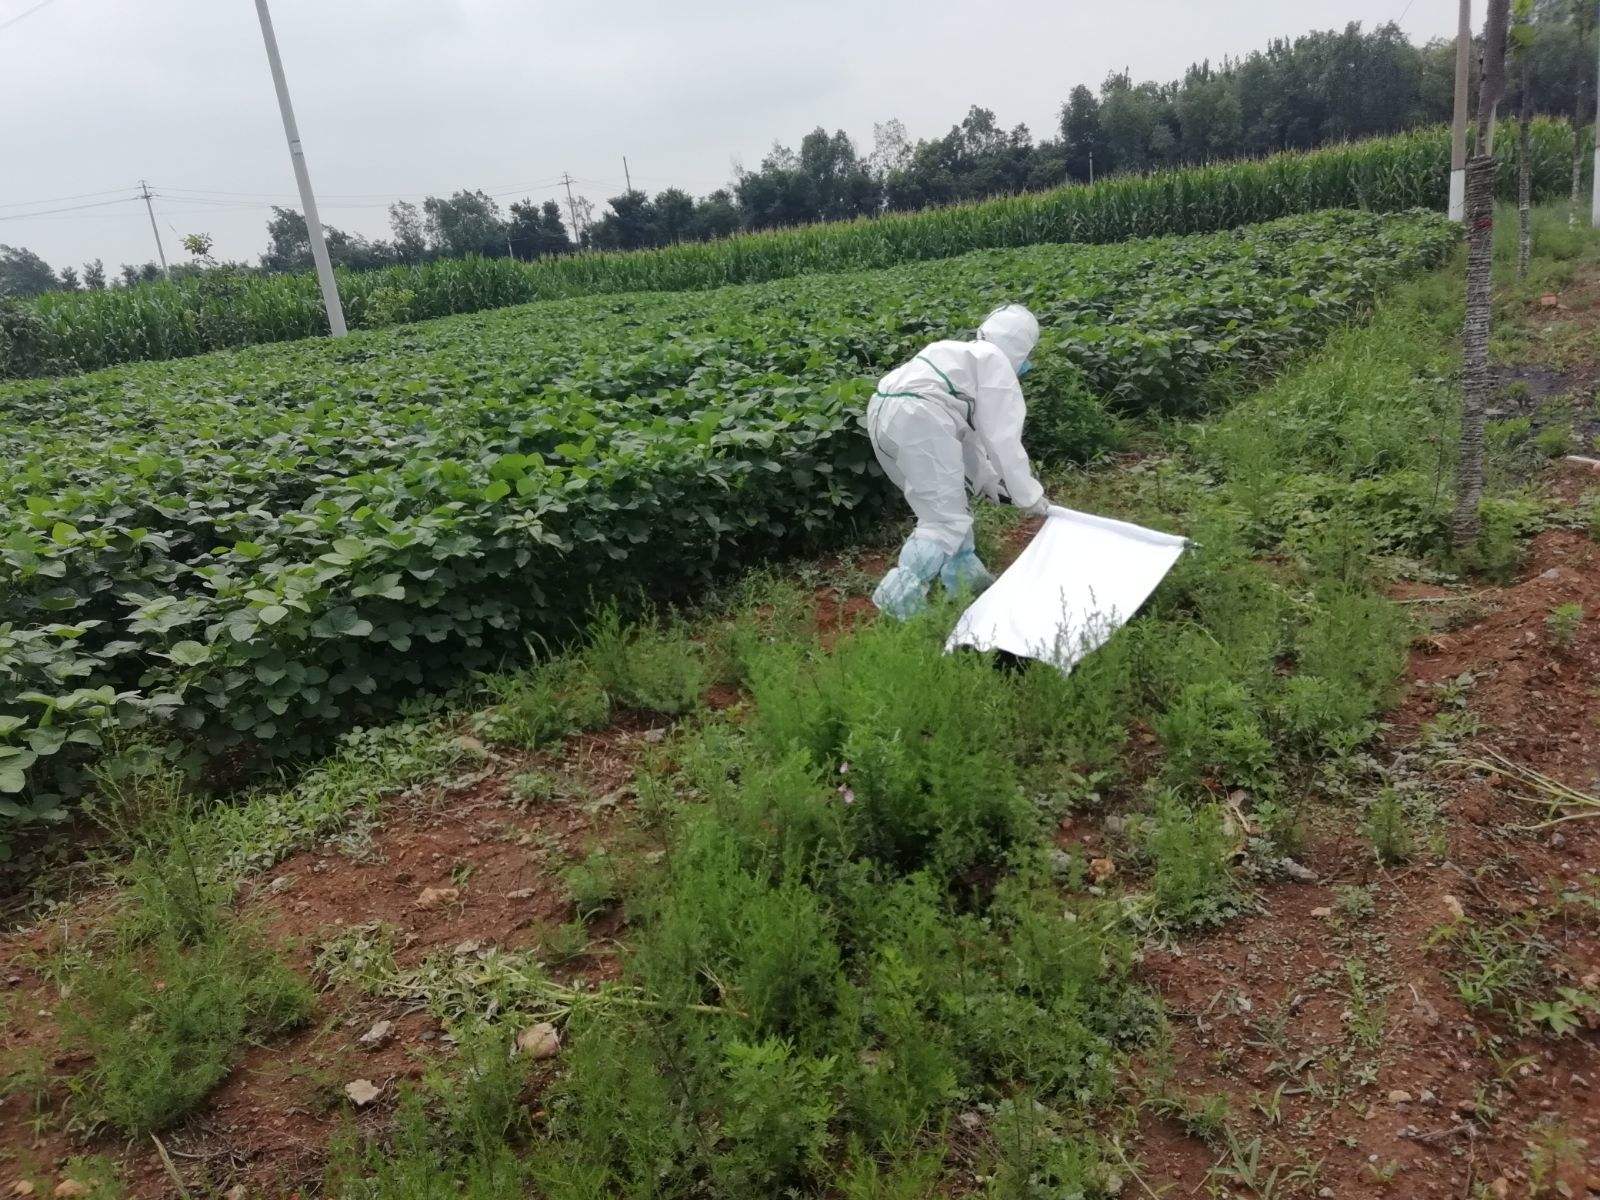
[252, 550]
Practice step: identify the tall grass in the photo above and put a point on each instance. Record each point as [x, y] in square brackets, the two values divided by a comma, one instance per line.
[87, 330]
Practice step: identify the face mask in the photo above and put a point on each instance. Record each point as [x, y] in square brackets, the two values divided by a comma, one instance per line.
[1027, 365]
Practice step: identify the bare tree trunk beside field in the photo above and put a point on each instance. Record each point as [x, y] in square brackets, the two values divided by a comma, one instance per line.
[1480, 279]
[1577, 169]
[1525, 175]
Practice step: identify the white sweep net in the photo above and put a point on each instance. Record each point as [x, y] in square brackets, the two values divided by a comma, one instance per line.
[1074, 586]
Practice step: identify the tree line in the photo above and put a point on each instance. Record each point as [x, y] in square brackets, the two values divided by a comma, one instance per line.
[1296, 93]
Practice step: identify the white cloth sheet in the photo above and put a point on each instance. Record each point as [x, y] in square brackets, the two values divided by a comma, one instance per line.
[1079, 580]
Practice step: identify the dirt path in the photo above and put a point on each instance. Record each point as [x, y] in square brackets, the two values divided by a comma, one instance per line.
[1332, 1021]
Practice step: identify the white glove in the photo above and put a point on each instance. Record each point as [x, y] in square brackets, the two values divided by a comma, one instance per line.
[1039, 508]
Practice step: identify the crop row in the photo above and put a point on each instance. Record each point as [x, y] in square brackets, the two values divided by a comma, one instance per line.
[87, 330]
[261, 546]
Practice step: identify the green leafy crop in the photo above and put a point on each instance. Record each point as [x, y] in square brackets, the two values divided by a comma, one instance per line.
[263, 546]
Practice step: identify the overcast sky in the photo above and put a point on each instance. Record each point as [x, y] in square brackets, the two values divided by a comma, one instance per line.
[410, 97]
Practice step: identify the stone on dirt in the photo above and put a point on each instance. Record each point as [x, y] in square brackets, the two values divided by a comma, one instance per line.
[380, 1033]
[362, 1092]
[436, 897]
[539, 1041]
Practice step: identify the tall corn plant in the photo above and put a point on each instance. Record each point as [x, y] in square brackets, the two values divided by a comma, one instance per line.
[1480, 263]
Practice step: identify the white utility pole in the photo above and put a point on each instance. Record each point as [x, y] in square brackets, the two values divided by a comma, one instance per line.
[1458, 128]
[1594, 206]
[144, 190]
[319, 244]
[572, 207]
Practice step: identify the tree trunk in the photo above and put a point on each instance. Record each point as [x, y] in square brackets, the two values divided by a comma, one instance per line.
[1481, 170]
[1525, 176]
[1475, 345]
[1577, 169]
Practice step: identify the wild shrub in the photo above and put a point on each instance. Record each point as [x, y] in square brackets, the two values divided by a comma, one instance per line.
[1067, 423]
[1563, 623]
[1355, 640]
[163, 1002]
[920, 742]
[1036, 1153]
[776, 1108]
[1213, 736]
[1081, 720]
[535, 707]
[161, 1023]
[1388, 828]
[652, 665]
[1498, 551]
[457, 1133]
[1191, 884]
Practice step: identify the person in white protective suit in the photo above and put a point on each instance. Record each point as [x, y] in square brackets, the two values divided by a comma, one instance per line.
[948, 421]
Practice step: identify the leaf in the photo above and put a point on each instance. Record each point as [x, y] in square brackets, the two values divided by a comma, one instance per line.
[272, 614]
[189, 654]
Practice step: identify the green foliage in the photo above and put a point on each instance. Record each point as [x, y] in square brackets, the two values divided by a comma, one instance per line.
[776, 1112]
[1563, 624]
[92, 329]
[162, 1012]
[267, 546]
[1388, 828]
[648, 665]
[1213, 735]
[455, 1134]
[917, 742]
[1192, 884]
[544, 703]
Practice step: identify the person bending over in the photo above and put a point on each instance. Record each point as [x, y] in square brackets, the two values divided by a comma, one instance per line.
[946, 423]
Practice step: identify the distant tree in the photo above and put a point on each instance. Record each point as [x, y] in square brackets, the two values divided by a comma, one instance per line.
[1209, 118]
[410, 236]
[94, 276]
[288, 242]
[825, 181]
[716, 216]
[582, 218]
[674, 216]
[891, 148]
[537, 231]
[23, 273]
[630, 225]
[289, 246]
[1130, 116]
[144, 273]
[69, 279]
[1083, 138]
[466, 223]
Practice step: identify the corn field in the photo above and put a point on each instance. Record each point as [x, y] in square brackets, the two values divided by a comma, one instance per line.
[76, 331]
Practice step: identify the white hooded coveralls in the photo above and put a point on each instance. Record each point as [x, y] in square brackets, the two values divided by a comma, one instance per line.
[948, 421]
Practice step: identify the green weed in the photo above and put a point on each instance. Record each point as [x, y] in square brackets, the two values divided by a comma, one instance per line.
[649, 665]
[535, 707]
[163, 1012]
[1563, 623]
[1192, 883]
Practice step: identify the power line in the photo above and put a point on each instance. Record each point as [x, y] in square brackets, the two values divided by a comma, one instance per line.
[45, 212]
[7, 24]
[59, 199]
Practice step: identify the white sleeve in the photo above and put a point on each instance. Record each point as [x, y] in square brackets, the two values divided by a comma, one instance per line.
[997, 416]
